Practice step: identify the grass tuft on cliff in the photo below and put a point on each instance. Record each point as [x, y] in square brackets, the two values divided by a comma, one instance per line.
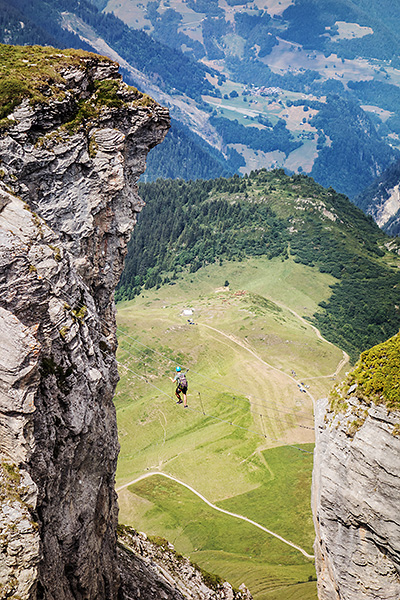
[36, 73]
[10, 479]
[377, 373]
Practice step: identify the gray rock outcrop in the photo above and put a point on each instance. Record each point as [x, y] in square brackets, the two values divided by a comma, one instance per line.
[68, 203]
[356, 499]
[155, 571]
[381, 200]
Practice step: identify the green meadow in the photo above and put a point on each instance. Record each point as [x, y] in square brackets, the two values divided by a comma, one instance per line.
[245, 442]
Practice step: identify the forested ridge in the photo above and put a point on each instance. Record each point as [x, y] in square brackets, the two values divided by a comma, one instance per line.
[187, 225]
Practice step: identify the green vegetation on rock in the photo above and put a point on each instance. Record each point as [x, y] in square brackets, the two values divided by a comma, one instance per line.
[377, 373]
[10, 478]
[34, 72]
[37, 74]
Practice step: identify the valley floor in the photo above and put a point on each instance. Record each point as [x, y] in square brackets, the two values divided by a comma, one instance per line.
[256, 367]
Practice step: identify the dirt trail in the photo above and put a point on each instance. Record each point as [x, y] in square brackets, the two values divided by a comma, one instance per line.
[211, 505]
[345, 358]
[239, 342]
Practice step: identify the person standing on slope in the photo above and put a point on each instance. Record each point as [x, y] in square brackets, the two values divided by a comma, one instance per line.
[182, 386]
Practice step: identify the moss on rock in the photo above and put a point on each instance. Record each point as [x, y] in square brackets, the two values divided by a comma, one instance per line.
[377, 373]
[37, 73]
[34, 72]
[375, 378]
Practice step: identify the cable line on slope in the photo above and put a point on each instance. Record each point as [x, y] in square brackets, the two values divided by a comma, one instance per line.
[81, 306]
[144, 378]
[232, 403]
[223, 385]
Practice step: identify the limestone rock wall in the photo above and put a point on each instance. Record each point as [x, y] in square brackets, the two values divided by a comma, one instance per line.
[68, 203]
[356, 500]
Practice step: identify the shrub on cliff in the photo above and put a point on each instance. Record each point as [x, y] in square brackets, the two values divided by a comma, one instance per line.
[377, 373]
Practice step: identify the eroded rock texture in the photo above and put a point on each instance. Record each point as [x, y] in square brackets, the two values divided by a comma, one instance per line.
[155, 571]
[356, 500]
[68, 203]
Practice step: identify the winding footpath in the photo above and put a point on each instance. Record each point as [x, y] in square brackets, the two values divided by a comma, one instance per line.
[240, 343]
[319, 335]
[211, 505]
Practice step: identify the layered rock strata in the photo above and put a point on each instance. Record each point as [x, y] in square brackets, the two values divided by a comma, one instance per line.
[68, 203]
[356, 493]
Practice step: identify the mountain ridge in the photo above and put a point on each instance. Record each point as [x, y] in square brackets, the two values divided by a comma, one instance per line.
[190, 224]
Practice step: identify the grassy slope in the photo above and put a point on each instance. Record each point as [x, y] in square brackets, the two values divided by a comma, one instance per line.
[28, 72]
[240, 470]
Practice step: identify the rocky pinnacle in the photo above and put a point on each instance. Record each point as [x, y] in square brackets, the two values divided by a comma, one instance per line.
[68, 204]
[356, 501]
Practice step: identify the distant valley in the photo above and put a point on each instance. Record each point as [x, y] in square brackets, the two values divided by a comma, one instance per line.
[276, 84]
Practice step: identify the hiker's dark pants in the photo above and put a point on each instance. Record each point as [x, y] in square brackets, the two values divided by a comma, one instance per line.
[179, 390]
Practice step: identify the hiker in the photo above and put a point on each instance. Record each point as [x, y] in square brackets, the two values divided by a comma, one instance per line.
[182, 386]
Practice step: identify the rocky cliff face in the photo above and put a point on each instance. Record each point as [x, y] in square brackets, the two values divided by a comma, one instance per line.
[152, 569]
[356, 482]
[71, 154]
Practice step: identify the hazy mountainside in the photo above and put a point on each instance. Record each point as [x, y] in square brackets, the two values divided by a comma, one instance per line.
[188, 225]
[185, 155]
[381, 200]
[354, 144]
[242, 76]
[356, 481]
[316, 25]
[292, 52]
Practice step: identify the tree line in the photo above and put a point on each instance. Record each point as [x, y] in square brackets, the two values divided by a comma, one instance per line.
[189, 224]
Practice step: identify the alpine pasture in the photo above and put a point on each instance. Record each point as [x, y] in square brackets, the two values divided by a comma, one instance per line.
[255, 368]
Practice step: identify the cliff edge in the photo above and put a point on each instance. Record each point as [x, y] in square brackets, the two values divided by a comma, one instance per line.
[356, 481]
[73, 142]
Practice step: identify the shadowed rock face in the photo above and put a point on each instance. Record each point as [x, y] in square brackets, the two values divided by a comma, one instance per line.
[68, 204]
[356, 499]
